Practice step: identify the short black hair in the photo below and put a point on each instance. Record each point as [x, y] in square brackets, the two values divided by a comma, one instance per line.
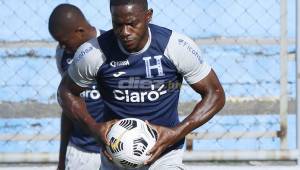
[64, 17]
[143, 3]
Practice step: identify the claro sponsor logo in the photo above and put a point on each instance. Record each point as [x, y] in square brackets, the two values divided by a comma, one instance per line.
[91, 94]
[139, 96]
[69, 60]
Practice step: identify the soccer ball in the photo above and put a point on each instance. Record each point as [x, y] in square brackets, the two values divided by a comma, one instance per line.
[130, 140]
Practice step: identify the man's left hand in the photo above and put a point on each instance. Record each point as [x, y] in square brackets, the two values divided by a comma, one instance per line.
[165, 138]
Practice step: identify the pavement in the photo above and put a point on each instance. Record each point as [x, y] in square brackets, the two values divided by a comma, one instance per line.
[188, 167]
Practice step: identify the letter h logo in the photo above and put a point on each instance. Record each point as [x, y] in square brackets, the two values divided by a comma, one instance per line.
[150, 67]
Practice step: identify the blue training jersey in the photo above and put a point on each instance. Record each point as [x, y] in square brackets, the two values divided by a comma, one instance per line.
[144, 84]
[94, 104]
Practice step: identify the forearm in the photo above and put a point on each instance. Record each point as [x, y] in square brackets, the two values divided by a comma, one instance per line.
[213, 100]
[65, 133]
[76, 111]
[74, 106]
[202, 113]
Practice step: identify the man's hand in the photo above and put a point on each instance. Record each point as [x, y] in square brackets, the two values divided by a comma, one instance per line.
[101, 130]
[108, 156]
[102, 133]
[165, 138]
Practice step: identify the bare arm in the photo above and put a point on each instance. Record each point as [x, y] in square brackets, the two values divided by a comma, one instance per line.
[213, 100]
[65, 123]
[75, 109]
[65, 133]
[73, 105]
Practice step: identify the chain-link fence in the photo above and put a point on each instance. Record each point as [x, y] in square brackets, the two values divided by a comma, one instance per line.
[249, 43]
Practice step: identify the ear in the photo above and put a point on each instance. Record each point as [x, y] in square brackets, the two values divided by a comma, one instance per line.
[149, 15]
[80, 31]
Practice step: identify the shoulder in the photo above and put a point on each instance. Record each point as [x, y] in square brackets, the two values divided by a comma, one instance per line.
[184, 44]
[106, 37]
[186, 56]
[87, 50]
[181, 39]
[59, 53]
[108, 42]
[160, 36]
[101, 31]
[87, 60]
[159, 30]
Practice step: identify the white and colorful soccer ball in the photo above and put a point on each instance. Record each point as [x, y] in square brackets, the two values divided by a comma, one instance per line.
[130, 140]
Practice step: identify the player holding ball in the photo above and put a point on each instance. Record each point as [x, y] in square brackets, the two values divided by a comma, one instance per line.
[134, 65]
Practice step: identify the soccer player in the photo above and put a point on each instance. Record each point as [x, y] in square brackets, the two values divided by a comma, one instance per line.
[139, 67]
[78, 149]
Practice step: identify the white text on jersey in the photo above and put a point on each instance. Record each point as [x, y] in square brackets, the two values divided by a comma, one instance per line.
[93, 94]
[139, 97]
[119, 63]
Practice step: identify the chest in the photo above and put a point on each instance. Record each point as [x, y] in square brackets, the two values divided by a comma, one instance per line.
[138, 70]
[138, 79]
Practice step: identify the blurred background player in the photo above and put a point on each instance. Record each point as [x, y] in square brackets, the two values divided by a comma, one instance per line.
[140, 67]
[78, 149]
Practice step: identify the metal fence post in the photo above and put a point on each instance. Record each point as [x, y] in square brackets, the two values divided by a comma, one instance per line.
[283, 75]
[298, 78]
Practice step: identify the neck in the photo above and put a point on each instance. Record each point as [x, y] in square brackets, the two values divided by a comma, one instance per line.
[144, 41]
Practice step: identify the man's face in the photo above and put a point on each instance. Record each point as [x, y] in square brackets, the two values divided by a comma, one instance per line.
[69, 41]
[130, 25]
